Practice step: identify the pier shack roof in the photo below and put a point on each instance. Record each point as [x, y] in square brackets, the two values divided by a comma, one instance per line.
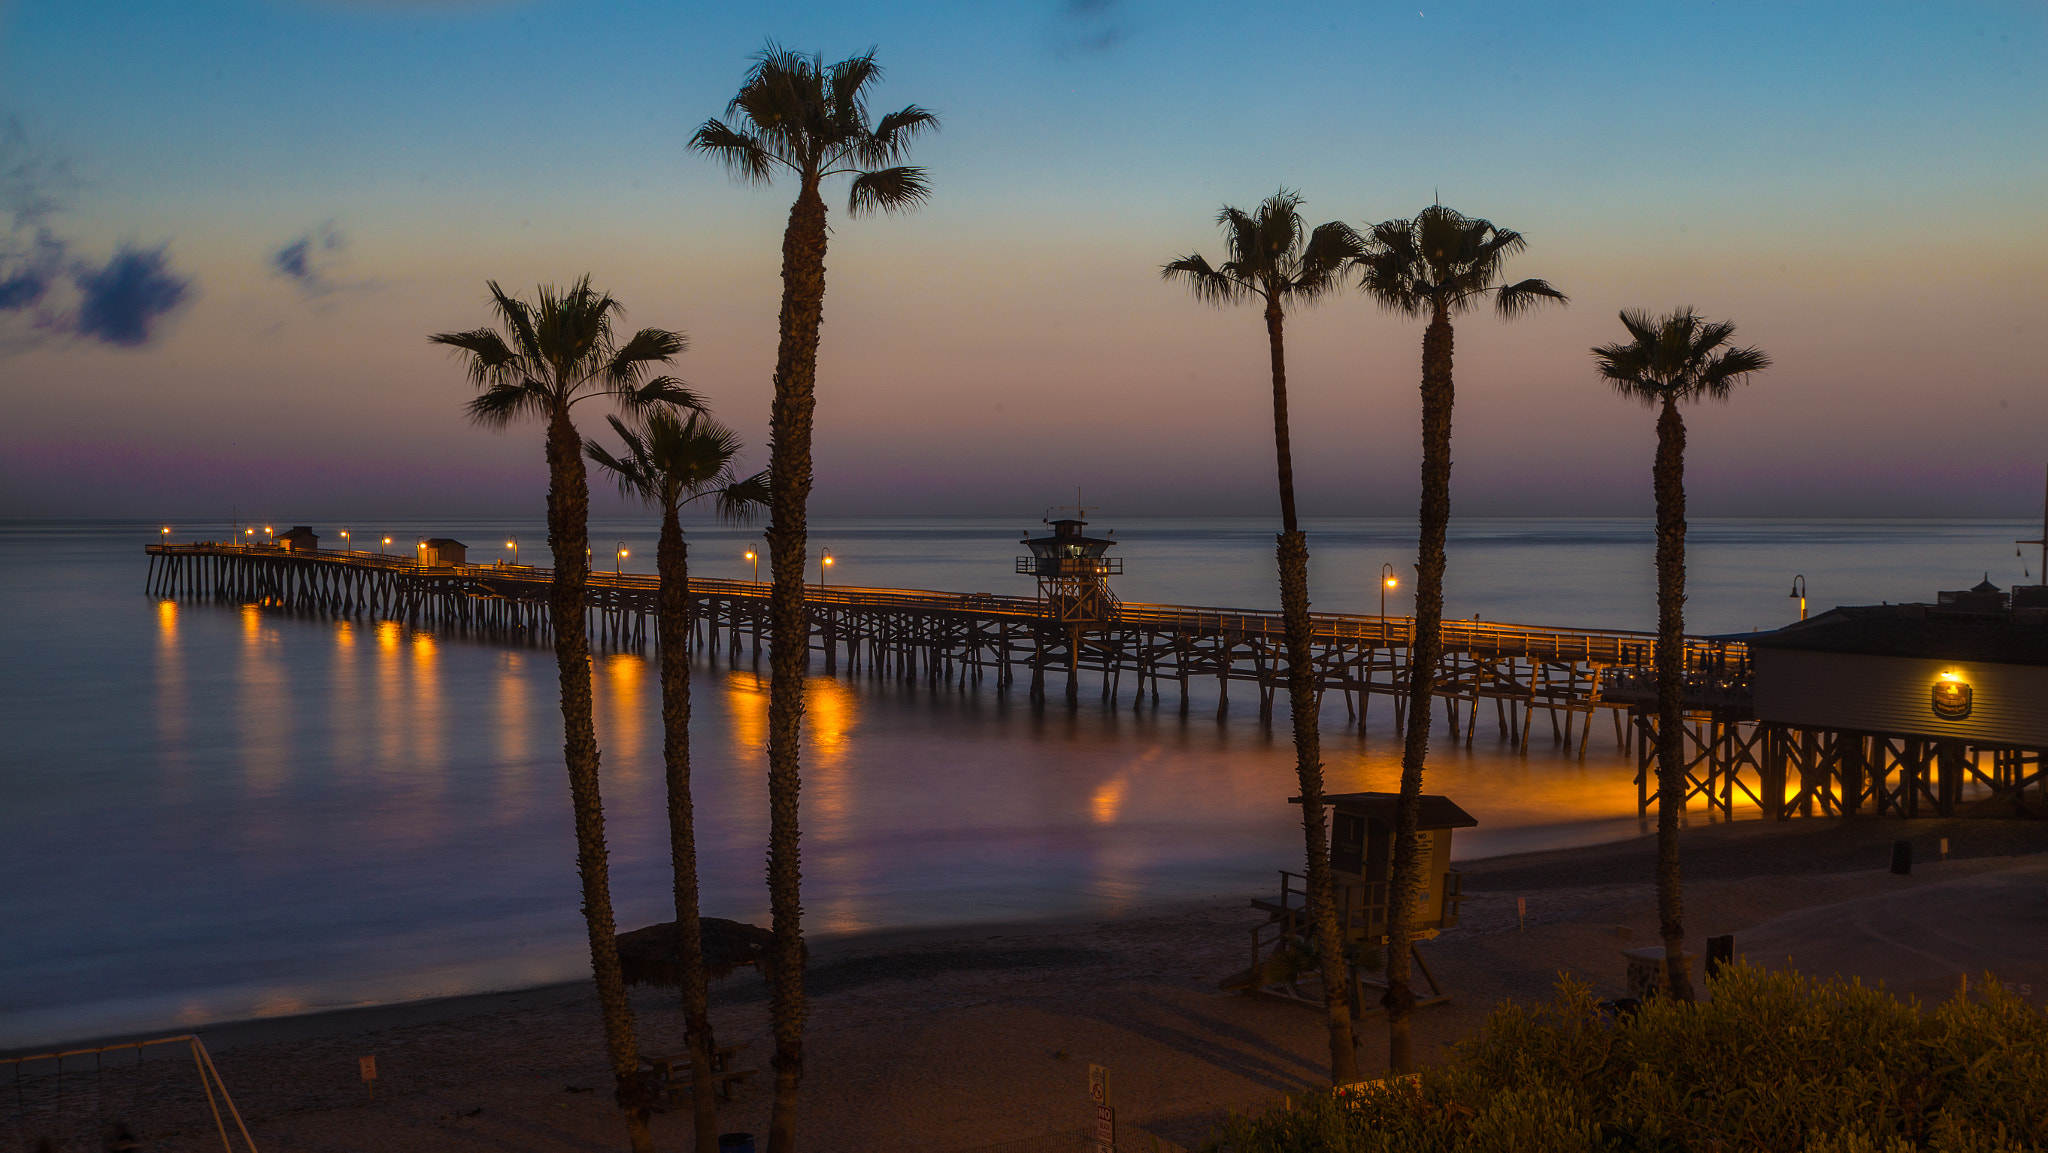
[1919, 631]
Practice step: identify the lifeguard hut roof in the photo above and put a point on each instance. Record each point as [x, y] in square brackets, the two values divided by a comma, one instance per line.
[1438, 812]
[445, 542]
[1916, 630]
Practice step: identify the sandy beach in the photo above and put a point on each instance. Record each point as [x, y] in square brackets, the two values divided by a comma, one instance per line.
[963, 1039]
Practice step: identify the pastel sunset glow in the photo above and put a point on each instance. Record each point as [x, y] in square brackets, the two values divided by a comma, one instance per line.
[231, 226]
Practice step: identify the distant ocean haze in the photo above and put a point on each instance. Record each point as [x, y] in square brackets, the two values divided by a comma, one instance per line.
[213, 811]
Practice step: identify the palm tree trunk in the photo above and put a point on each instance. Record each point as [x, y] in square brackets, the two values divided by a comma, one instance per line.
[1302, 709]
[789, 475]
[1425, 651]
[568, 537]
[672, 624]
[1670, 485]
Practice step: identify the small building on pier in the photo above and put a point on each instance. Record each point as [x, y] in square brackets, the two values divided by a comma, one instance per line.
[1071, 571]
[299, 538]
[443, 552]
[1965, 669]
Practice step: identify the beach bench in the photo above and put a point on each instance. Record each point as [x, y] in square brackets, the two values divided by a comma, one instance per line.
[668, 1075]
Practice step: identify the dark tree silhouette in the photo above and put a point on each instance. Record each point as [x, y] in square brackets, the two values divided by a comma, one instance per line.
[552, 354]
[1439, 264]
[1667, 361]
[795, 115]
[1276, 262]
[681, 458]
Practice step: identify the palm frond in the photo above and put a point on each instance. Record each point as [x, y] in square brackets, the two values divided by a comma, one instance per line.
[669, 390]
[1512, 300]
[1673, 357]
[743, 154]
[740, 501]
[499, 404]
[888, 189]
[1210, 285]
[890, 140]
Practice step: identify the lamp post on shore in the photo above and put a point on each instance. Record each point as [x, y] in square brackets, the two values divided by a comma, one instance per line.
[1799, 592]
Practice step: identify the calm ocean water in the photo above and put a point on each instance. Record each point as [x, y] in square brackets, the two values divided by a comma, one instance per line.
[210, 812]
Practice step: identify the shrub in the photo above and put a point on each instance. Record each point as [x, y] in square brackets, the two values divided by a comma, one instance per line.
[1775, 1062]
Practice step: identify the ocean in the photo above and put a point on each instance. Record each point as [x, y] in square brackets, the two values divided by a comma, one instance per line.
[211, 812]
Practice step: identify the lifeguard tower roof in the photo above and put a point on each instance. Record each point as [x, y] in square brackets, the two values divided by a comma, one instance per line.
[1438, 812]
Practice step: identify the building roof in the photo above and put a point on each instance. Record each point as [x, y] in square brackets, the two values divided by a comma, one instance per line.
[1438, 812]
[1917, 630]
[444, 542]
[297, 530]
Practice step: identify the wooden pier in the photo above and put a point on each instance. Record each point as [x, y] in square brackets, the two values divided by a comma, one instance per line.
[973, 639]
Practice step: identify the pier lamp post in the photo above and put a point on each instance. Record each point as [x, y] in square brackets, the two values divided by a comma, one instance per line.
[419, 552]
[249, 535]
[756, 558]
[824, 562]
[167, 534]
[513, 544]
[384, 546]
[269, 535]
[1387, 581]
[344, 538]
[1799, 592]
[619, 560]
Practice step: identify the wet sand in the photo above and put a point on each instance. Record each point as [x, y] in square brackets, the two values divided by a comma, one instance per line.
[949, 1040]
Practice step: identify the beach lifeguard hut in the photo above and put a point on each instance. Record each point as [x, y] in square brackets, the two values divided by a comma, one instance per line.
[1361, 856]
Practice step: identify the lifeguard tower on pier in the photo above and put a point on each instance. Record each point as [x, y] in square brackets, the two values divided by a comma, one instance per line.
[1073, 589]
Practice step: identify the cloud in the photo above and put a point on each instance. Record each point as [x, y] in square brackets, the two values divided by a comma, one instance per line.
[1092, 27]
[50, 291]
[312, 260]
[124, 300]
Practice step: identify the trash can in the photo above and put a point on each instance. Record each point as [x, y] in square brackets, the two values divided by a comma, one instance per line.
[735, 1143]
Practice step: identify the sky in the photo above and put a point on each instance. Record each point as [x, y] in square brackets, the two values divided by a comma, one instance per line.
[230, 226]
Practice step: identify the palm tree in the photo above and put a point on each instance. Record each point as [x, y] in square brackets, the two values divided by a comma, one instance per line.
[552, 354]
[1439, 264]
[1669, 360]
[682, 458]
[1273, 263]
[795, 115]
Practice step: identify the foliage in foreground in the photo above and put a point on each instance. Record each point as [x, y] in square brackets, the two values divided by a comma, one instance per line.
[1774, 1062]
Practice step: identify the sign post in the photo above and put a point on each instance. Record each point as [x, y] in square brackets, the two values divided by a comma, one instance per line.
[368, 1065]
[1105, 1113]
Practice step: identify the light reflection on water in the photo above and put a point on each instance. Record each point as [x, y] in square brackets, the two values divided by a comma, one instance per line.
[213, 811]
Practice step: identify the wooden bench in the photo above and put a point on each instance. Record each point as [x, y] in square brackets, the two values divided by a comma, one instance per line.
[668, 1075]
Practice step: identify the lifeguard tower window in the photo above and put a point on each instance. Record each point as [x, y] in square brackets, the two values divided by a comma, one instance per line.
[1347, 844]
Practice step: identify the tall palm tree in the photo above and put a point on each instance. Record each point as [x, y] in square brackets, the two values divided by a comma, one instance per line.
[680, 459]
[552, 354]
[1440, 265]
[1669, 360]
[795, 115]
[1275, 261]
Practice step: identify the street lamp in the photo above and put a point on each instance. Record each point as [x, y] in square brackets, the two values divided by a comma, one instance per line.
[1387, 581]
[824, 562]
[167, 534]
[344, 538]
[249, 532]
[513, 544]
[385, 545]
[756, 558]
[1799, 592]
[269, 535]
[619, 561]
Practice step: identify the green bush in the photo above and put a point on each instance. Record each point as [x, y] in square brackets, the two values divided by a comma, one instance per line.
[1775, 1062]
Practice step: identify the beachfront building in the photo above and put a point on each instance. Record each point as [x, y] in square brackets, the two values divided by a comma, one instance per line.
[1946, 695]
[299, 538]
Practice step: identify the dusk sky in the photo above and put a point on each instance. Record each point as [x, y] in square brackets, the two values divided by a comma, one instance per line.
[230, 227]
